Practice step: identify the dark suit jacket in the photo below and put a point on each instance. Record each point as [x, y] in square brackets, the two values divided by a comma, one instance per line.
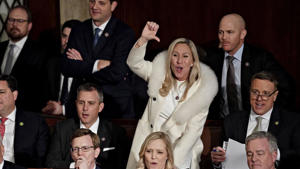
[114, 45]
[31, 139]
[10, 165]
[254, 60]
[29, 72]
[52, 86]
[283, 125]
[110, 136]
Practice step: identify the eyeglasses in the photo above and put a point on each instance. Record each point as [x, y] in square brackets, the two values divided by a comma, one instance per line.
[12, 20]
[264, 96]
[83, 148]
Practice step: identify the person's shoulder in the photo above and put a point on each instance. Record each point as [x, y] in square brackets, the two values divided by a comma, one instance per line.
[10, 165]
[120, 27]
[4, 43]
[236, 115]
[255, 50]
[110, 126]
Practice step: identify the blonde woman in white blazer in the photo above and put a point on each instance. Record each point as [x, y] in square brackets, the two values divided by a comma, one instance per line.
[180, 90]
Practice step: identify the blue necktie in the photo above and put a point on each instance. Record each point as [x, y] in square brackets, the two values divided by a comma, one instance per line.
[96, 36]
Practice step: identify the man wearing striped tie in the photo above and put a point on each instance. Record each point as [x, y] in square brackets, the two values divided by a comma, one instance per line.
[264, 116]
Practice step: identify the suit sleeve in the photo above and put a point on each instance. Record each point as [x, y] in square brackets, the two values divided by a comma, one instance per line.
[118, 69]
[57, 151]
[77, 68]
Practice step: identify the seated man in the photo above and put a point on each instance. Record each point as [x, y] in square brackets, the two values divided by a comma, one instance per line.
[6, 164]
[24, 134]
[261, 149]
[264, 116]
[114, 142]
[85, 148]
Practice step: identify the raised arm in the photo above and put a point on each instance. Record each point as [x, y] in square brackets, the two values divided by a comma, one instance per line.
[136, 56]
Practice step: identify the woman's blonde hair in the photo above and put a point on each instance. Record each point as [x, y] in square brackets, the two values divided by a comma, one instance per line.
[194, 72]
[155, 136]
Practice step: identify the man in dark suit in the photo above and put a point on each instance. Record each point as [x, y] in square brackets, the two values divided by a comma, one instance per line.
[264, 116]
[23, 58]
[114, 142]
[25, 135]
[57, 86]
[97, 51]
[85, 148]
[246, 61]
[6, 164]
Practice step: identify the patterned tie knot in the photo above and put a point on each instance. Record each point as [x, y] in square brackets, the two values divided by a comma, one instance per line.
[3, 119]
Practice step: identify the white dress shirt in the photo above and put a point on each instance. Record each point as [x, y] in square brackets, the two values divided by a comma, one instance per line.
[93, 128]
[17, 51]
[9, 137]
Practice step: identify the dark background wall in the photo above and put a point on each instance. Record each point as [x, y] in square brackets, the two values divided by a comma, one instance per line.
[271, 24]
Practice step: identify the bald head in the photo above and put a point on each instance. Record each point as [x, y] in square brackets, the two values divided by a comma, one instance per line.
[232, 33]
[236, 19]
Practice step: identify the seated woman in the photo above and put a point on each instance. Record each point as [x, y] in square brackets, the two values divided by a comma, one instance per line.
[180, 90]
[156, 152]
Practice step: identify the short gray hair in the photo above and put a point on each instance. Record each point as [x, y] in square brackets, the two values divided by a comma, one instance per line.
[261, 135]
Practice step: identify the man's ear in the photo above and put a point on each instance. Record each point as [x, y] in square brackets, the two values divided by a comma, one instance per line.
[97, 152]
[243, 34]
[114, 4]
[15, 94]
[101, 106]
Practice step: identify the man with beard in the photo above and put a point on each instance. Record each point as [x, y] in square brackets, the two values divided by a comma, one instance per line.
[23, 58]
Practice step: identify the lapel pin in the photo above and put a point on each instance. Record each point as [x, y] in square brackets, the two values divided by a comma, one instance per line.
[247, 64]
[276, 123]
[103, 139]
[106, 34]
[21, 124]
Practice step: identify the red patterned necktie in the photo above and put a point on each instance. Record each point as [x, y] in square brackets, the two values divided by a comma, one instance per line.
[2, 126]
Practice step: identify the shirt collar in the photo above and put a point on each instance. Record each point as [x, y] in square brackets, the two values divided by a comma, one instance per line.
[12, 115]
[101, 27]
[266, 116]
[93, 128]
[238, 54]
[20, 43]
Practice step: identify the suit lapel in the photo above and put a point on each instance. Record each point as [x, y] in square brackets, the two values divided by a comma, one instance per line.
[244, 127]
[274, 123]
[19, 132]
[2, 52]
